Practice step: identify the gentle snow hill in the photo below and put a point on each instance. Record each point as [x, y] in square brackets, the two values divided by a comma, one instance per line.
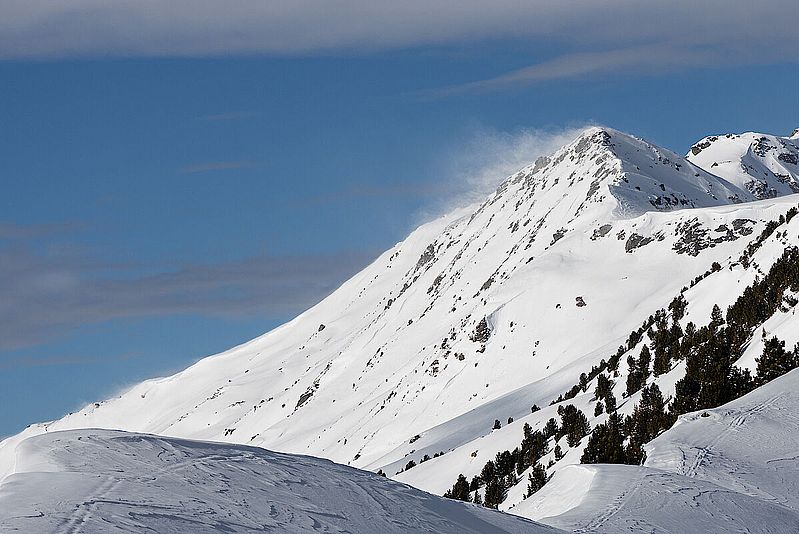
[730, 469]
[476, 316]
[108, 481]
[626, 498]
[764, 165]
[750, 445]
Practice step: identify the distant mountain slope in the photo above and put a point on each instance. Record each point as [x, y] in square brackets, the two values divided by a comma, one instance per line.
[94, 481]
[764, 165]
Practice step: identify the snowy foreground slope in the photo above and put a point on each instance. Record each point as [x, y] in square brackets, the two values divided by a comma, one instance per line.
[730, 469]
[108, 481]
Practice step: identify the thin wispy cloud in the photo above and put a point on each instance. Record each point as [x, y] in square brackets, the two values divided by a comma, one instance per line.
[646, 59]
[210, 166]
[46, 294]
[13, 231]
[609, 36]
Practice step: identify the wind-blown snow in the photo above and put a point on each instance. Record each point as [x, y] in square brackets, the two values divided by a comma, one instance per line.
[106, 481]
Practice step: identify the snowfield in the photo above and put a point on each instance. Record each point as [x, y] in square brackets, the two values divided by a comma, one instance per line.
[108, 481]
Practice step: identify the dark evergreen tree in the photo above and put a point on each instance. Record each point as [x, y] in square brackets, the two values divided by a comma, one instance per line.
[634, 378]
[604, 387]
[599, 409]
[677, 307]
[460, 491]
[504, 464]
[534, 446]
[716, 318]
[497, 425]
[648, 420]
[551, 428]
[606, 444]
[643, 365]
[574, 424]
[610, 403]
[495, 494]
[536, 479]
[558, 452]
[489, 472]
[775, 361]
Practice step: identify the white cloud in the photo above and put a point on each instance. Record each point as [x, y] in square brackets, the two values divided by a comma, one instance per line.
[762, 30]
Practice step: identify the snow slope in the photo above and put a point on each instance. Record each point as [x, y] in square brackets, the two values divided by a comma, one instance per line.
[749, 445]
[730, 469]
[764, 165]
[626, 498]
[107, 481]
[476, 316]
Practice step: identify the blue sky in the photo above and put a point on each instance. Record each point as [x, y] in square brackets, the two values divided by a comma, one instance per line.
[170, 191]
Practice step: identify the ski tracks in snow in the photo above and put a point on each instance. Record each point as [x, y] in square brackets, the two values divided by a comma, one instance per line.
[733, 426]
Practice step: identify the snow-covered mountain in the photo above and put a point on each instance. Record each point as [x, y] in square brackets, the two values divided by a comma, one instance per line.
[481, 314]
[109, 481]
[764, 165]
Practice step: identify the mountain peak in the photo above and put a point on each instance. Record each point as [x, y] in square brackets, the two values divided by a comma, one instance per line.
[766, 166]
[625, 174]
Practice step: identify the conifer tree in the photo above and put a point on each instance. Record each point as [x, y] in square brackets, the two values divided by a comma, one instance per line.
[599, 409]
[606, 444]
[604, 386]
[489, 472]
[643, 365]
[649, 418]
[551, 428]
[574, 424]
[460, 490]
[610, 403]
[536, 479]
[775, 361]
[634, 378]
[495, 494]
